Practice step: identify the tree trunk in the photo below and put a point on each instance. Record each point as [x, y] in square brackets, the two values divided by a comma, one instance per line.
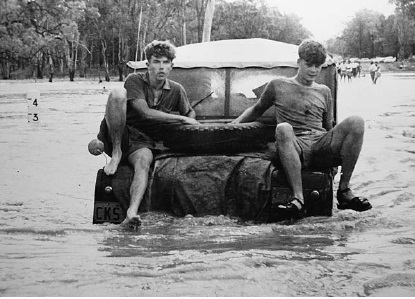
[82, 60]
[104, 60]
[72, 75]
[51, 69]
[143, 41]
[61, 65]
[120, 57]
[138, 32]
[34, 71]
[91, 60]
[200, 11]
[38, 70]
[184, 22]
[113, 52]
[69, 60]
[71, 70]
[207, 27]
[5, 69]
[75, 60]
[40, 66]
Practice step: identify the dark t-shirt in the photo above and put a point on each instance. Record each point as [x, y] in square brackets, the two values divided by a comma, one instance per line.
[173, 99]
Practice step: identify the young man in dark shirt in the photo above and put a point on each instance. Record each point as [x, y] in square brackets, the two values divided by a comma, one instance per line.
[135, 116]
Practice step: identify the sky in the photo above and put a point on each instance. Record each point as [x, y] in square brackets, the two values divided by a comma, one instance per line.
[327, 18]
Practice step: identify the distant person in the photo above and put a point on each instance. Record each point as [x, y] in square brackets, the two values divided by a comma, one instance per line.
[343, 71]
[349, 71]
[372, 71]
[305, 136]
[359, 69]
[354, 69]
[136, 115]
[377, 73]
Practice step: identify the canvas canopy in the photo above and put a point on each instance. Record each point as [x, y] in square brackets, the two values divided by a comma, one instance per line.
[236, 53]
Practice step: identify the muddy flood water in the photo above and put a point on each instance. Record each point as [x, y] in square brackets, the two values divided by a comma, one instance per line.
[49, 246]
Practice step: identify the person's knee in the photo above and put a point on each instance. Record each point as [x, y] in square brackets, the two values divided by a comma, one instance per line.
[147, 155]
[284, 132]
[355, 124]
[141, 159]
[118, 96]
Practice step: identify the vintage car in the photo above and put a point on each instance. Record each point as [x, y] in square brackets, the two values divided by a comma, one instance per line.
[219, 168]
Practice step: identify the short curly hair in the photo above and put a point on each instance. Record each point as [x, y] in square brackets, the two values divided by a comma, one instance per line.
[160, 48]
[312, 52]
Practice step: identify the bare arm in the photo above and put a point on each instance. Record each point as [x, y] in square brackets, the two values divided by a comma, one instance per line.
[265, 101]
[191, 114]
[328, 116]
[142, 108]
[252, 113]
[327, 122]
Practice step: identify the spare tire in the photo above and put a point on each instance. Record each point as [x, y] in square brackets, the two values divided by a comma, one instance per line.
[216, 137]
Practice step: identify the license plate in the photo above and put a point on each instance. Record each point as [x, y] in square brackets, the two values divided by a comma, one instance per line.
[108, 212]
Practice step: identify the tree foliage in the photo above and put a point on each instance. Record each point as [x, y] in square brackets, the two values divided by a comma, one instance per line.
[40, 37]
[370, 34]
[85, 37]
[406, 7]
[250, 19]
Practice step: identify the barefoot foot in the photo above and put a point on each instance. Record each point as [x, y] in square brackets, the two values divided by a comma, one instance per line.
[112, 166]
[133, 222]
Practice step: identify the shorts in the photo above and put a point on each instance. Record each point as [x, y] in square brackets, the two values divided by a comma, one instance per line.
[132, 140]
[316, 151]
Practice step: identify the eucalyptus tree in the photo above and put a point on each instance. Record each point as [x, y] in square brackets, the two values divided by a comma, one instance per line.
[54, 27]
[405, 25]
[13, 33]
[391, 37]
[363, 34]
[37, 32]
[405, 6]
[253, 18]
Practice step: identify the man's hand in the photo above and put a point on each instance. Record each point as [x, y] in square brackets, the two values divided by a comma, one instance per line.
[189, 121]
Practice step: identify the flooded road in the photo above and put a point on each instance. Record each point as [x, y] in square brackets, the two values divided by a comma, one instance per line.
[49, 247]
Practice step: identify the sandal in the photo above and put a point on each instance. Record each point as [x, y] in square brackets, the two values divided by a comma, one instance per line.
[292, 210]
[356, 203]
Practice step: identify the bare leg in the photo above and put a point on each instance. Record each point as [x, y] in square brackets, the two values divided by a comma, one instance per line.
[288, 151]
[141, 161]
[348, 141]
[115, 116]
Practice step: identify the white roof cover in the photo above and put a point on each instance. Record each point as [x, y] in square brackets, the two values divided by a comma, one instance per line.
[237, 53]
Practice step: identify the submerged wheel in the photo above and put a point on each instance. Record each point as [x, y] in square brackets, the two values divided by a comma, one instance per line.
[216, 137]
